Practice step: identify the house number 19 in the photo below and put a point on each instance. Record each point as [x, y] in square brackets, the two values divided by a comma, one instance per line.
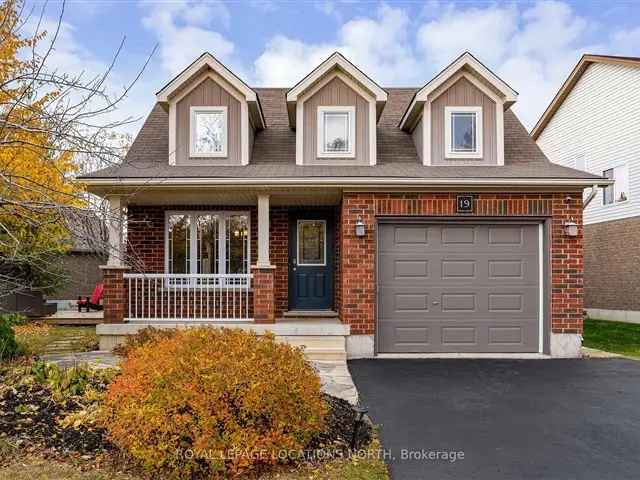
[465, 203]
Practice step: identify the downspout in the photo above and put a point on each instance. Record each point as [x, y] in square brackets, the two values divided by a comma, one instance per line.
[591, 196]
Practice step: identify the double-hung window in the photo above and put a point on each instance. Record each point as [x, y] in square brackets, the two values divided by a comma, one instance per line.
[336, 132]
[463, 132]
[207, 243]
[208, 132]
[619, 191]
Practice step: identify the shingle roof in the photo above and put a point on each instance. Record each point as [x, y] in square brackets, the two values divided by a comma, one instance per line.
[274, 151]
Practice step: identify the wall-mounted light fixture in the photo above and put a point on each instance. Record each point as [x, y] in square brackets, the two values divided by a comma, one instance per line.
[571, 228]
[360, 227]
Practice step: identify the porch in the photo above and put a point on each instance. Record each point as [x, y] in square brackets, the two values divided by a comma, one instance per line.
[228, 262]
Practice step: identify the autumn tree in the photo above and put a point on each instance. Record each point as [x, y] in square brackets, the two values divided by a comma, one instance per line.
[52, 125]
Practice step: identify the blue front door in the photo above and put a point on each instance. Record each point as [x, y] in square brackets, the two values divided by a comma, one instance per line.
[311, 259]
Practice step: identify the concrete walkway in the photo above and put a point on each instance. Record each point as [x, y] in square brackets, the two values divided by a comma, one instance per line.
[334, 375]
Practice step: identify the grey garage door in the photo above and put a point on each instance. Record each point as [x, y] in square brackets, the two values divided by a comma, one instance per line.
[458, 288]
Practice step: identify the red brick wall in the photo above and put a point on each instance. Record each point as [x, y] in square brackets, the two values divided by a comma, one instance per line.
[358, 254]
[611, 265]
[114, 294]
[279, 256]
[263, 295]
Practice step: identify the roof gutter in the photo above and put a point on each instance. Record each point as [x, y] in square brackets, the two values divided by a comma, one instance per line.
[344, 182]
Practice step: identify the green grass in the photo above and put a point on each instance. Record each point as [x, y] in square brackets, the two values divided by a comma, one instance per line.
[615, 337]
[34, 338]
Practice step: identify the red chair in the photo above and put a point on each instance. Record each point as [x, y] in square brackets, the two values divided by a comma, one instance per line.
[92, 303]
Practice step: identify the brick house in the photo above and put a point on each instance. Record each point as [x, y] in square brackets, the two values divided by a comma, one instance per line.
[592, 124]
[349, 218]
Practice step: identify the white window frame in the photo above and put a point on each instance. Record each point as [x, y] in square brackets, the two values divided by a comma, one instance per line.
[193, 240]
[193, 112]
[448, 137]
[616, 185]
[351, 112]
[309, 220]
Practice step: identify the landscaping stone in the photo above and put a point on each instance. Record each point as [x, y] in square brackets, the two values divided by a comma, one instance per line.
[334, 375]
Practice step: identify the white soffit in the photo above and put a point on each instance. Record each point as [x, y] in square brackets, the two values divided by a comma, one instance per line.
[202, 63]
[464, 61]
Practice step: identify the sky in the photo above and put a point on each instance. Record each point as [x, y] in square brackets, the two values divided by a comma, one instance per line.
[532, 45]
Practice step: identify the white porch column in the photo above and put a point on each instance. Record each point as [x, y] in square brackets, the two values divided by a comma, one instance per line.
[263, 232]
[115, 226]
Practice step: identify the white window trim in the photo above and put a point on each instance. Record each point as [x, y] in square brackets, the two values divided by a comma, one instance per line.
[449, 153]
[193, 111]
[615, 203]
[351, 112]
[193, 241]
[323, 264]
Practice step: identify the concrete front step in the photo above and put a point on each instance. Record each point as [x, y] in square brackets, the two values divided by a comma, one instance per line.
[322, 339]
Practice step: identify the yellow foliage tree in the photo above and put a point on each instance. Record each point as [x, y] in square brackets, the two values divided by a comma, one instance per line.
[36, 171]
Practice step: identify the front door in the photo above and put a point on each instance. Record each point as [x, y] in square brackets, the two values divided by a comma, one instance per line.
[311, 260]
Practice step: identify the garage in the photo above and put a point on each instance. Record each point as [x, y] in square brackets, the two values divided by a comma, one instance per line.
[459, 287]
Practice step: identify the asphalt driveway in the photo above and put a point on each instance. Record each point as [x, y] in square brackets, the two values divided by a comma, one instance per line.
[511, 419]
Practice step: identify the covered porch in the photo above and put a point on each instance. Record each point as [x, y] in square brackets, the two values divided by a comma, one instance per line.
[264, 260]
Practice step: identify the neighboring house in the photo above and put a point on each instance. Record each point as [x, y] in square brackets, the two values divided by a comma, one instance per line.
[81, 264]
[593, 124]
[395, 221]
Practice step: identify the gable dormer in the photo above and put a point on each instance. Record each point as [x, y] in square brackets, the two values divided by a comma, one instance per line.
[334, 111]
[213, 115]
[458, 117]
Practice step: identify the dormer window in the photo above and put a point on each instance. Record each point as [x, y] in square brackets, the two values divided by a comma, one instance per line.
[463, 132]
[336, 132]
[208, 132]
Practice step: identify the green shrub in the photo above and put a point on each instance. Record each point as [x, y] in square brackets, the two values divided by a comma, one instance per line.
[8, 345]
[213, 402]
[142, 337]
[72, 381]
[13, 318]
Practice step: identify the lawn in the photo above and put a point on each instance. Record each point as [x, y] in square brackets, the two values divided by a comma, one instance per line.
[35, 468]
[40, 338]
[615, 337]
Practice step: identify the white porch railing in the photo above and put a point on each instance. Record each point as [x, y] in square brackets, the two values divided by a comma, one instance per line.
[189, 297]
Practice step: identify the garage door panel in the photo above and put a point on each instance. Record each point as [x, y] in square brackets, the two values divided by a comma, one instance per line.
[474, 289]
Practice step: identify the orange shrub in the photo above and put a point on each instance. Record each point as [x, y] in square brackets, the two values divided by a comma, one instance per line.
[213, 402]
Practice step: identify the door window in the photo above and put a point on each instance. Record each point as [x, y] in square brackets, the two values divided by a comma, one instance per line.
[312, 242]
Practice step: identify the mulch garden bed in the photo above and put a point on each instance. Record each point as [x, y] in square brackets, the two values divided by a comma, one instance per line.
[29, 417]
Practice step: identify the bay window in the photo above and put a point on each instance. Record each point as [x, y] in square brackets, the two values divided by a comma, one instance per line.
[207, 243]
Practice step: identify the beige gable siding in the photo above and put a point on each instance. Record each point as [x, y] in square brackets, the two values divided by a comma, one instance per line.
[336, 93]
[417, 138]
[208, 94]
[464, 94]
[599, 123]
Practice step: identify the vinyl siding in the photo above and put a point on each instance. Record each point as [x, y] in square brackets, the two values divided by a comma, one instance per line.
[600, 119]
[208, 93]
[336, 93]
[417, 138]
[464, 94]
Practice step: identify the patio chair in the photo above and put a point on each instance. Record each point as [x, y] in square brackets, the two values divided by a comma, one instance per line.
[93, 302]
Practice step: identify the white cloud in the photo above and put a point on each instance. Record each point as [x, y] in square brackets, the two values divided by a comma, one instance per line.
[533, 49]
[71, 57]
[181, 28]
[485, 32]
[379, 46]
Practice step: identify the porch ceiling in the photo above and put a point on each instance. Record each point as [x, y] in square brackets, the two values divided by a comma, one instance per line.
[217, 196]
